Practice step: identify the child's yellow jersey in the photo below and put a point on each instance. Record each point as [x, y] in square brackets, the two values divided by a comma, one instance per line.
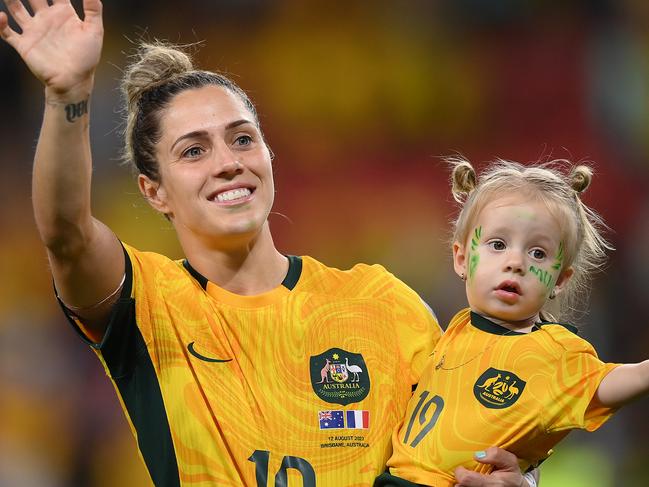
[488, 386]
[299, 386]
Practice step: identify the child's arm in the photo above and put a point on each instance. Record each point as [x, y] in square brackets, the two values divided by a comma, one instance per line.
[624, 384]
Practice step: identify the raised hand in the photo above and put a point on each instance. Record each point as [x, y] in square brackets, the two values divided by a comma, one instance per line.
[58, 47]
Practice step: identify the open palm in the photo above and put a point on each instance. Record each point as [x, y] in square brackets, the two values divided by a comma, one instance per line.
[58, 47]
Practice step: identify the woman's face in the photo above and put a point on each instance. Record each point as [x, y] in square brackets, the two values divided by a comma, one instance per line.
[216, 180]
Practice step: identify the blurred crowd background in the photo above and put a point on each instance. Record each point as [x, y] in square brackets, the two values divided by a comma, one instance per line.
[358, 100]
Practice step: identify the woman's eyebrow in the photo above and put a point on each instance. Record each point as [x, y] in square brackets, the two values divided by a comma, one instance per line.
[189, 135]
[203, 133]
[236, 123]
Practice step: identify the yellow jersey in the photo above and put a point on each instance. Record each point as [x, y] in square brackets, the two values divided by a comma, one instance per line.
[485, 385]
[299, 386]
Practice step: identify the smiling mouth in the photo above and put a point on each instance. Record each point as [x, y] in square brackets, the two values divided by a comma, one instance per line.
[233, 195]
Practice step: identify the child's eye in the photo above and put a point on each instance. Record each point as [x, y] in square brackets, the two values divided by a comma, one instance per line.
[538, 254]
[497, 245]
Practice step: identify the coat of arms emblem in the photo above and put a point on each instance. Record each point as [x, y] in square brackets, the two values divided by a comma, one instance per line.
[339, 376]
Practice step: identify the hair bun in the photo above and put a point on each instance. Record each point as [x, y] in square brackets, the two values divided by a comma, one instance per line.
[153, 64]
[580, 178]
[463, 177]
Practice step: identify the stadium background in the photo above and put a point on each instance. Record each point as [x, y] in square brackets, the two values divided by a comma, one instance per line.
[357, 100]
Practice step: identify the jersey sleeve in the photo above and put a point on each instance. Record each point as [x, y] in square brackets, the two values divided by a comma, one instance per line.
[124, 295]
[417, 329]
[122, 342]
[579, 373]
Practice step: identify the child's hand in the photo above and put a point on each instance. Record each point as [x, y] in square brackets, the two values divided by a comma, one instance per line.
[506, 472]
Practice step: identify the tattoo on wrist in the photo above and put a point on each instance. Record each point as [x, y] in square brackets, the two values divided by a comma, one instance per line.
[73, 111]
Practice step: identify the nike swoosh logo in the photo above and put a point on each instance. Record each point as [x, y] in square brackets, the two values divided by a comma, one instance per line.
[190, 347]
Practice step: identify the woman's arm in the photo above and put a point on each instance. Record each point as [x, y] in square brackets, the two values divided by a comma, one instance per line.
[624, 384]
[506, 472]
[63, 51]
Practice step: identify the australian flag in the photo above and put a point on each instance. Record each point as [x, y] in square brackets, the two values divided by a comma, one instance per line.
[331, 420]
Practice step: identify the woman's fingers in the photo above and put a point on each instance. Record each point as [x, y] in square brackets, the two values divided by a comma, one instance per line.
[37, 5]
[18, 12]
[6, 32]
[92, 11]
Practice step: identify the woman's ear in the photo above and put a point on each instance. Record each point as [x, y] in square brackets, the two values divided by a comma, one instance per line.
[270, 152]
[459, 260]
[154, 193]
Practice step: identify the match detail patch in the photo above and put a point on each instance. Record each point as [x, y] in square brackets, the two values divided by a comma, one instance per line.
[354, 419]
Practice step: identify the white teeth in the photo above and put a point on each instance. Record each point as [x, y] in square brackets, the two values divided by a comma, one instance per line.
[235, 194]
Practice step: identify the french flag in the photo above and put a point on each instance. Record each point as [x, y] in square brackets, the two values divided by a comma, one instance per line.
[358, 419]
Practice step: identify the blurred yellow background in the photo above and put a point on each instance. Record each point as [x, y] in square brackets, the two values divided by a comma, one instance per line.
[358, 100]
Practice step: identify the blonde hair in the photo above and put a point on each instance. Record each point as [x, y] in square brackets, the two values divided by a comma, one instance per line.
[557, 184]
[158, 72]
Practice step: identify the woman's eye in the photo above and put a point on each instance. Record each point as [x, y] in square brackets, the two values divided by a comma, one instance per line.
[243, 140]
[193, 152]
[537, 254]
[497, 245]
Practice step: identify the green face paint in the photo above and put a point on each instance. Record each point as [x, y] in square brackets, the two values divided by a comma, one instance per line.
[474, 257]
[544, 276]
[558, 261]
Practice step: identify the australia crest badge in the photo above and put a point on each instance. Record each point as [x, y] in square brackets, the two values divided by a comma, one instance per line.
[339, 376]
[498, 389]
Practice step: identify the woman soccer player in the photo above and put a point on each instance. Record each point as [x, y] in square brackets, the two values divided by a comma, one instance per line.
[238, 365]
